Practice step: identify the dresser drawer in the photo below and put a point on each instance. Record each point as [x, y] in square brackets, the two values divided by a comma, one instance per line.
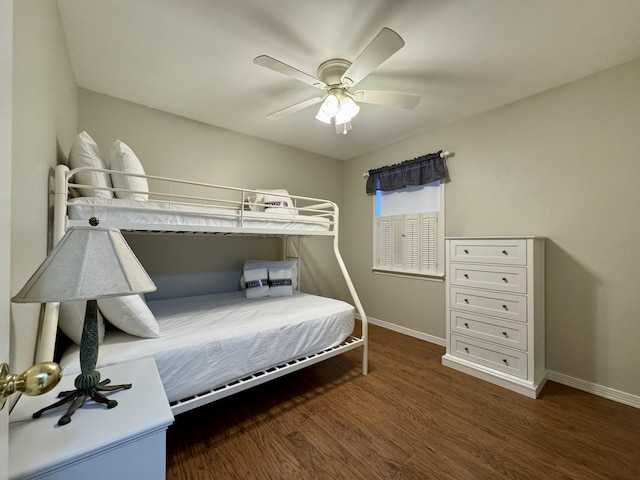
[499, 358]
[503, 332]
[503, 305]
[506, 279]
[504, 252]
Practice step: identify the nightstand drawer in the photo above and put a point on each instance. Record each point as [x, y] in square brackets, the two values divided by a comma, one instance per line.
[503, 332]
[499, 358]
[503, 305]
[505, 279]
[504, 252]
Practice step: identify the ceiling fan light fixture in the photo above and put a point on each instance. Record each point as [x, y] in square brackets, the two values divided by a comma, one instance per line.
[342, 118]
[324, 117]
[339, 109]
[349, 108]
[331, 105]
[328, 109]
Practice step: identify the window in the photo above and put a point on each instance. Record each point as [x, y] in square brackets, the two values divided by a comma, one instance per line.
[409, 230]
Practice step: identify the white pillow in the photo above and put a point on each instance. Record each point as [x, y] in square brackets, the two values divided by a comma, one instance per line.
[85, 153]
[275, 264]
[256, 282]
[124, 160]
[131, 315]
[71, 321]
[276, 199]
[280, 282]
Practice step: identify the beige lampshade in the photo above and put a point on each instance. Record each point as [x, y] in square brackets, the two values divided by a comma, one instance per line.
[88, 263]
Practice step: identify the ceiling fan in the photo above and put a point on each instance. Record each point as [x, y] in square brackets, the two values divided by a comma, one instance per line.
[337, 77]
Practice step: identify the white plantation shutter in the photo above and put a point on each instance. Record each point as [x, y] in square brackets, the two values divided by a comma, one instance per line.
[429, 242]
[383, 244]
[412, 242]
[397, 259]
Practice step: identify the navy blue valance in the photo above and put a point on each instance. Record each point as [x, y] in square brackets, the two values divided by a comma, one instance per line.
[419, 171]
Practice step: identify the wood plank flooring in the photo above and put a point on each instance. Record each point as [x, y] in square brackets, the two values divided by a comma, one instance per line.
[410, 418]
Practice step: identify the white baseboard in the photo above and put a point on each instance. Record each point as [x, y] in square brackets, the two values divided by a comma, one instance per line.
[407, 331]
[593, 388]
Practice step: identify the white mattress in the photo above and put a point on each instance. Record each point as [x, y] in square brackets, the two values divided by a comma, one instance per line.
[123, 211]
[209, 340]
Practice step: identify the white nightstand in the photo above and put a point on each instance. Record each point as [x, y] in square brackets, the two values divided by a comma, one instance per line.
[125, 442]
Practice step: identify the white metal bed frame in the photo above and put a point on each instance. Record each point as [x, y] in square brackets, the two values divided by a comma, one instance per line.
[231, 198]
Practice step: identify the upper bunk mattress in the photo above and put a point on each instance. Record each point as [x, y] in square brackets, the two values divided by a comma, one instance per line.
[210, 340]
[119, 212]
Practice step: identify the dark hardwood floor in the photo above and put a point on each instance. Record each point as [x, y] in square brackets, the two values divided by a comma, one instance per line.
[410, 418]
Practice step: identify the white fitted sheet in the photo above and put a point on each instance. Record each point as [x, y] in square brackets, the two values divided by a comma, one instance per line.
[210, 340]
[121, 211]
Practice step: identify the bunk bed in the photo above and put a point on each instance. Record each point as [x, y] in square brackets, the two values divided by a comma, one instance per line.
[233, 359]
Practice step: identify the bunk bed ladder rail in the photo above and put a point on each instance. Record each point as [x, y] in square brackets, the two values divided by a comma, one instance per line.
[292, 250]
[354, 296]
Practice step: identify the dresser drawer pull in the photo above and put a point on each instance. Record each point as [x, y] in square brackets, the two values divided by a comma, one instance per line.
[505, 252]
[466, 276]
[466, 325]
[505, 361]
[466, 300]
[504, 279]
[505, 308]
[467, 252]
[505, 334]
[466, 349]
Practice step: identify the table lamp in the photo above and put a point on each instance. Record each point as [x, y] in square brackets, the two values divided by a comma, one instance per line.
[87, 263]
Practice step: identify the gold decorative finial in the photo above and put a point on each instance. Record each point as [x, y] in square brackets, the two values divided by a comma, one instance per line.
[36, 380]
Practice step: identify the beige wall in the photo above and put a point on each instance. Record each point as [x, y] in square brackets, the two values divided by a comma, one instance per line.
[173, 146]
[6, 121]
[45, 106]
[564, 164]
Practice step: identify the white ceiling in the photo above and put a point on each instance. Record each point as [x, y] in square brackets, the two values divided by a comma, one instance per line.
[194, 58]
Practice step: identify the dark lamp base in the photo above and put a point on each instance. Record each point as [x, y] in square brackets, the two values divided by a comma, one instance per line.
[79, 396]
[88, 384]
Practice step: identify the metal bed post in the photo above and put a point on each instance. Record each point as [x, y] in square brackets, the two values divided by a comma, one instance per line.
[49, 324]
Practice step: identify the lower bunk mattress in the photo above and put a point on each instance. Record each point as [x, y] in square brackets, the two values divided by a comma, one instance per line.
[210, 340]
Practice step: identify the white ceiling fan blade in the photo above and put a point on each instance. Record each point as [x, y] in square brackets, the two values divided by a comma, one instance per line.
[294, 108]
[391, 99]
[278, 66]
[385, 44]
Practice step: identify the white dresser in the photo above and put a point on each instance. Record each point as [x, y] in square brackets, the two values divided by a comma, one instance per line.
[125, 442]
[495, 310]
